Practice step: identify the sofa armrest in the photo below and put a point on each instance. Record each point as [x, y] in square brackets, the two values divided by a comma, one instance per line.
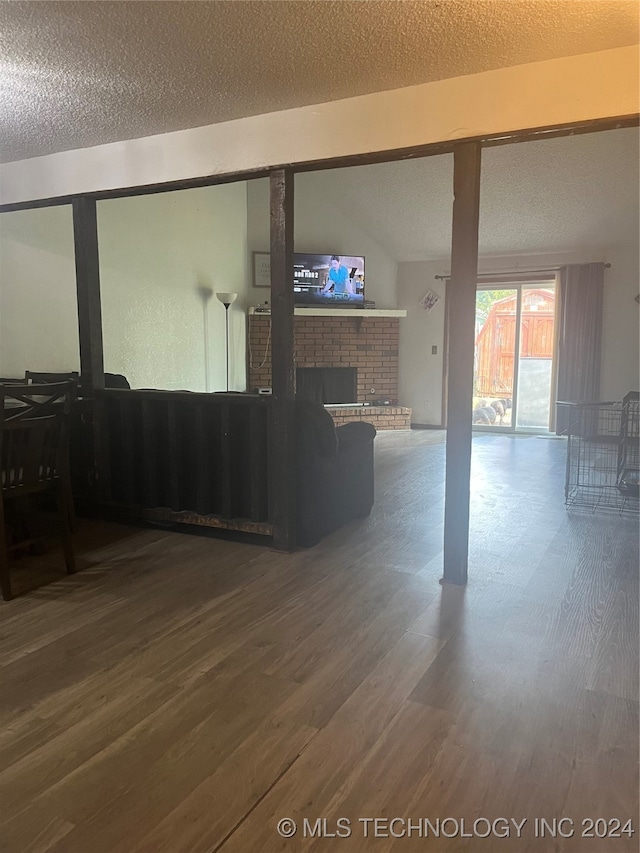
[356, 432]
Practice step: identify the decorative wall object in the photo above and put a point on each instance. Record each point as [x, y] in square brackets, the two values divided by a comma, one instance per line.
[261, 269]
[429, 300]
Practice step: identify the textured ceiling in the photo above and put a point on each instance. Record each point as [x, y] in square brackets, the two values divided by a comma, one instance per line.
[546, 196]
[77, 74]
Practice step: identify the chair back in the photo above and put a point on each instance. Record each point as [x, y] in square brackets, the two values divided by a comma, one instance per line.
[33, 377]
[34, 434]
[111, 380]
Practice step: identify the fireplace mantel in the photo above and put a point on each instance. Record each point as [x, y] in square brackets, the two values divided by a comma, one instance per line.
[339, 312]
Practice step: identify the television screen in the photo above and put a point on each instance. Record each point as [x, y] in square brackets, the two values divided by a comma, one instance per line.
[328, 281]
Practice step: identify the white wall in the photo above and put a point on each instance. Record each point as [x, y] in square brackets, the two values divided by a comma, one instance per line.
[162, 257]
[420, 383]
[38, 313]
[320, 227]
[620, 366]
[420, 372]
[539, 94]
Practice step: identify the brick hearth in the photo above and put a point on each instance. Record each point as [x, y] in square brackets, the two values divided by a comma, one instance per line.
[382, 417]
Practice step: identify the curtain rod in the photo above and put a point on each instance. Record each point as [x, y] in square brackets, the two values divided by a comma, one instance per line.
[504, 273]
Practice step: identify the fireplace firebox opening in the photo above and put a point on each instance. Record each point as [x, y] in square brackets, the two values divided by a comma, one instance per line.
[327, 384]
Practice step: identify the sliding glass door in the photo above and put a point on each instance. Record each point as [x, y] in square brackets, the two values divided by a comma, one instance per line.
[514, 348]
[496, 345]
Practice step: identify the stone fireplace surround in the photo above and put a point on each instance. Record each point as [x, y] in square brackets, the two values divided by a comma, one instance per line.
[370, 344]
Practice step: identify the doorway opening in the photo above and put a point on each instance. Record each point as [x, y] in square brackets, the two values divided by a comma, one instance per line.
[514, 370]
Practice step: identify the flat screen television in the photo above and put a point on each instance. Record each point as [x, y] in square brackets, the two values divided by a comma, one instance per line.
[328, 281]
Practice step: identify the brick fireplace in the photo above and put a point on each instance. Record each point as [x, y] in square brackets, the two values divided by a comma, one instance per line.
[368, 344]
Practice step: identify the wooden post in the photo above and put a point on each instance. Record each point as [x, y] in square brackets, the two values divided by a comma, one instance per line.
[282, 458]
[461, 303]
[85, 235]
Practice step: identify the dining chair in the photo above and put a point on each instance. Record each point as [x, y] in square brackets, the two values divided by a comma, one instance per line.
[34, 377]
[47, 378]
[34, 457]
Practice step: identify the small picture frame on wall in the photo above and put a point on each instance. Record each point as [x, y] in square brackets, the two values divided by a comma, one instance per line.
[261, 269]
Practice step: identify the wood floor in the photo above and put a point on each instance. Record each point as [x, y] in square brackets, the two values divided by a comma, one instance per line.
[183, 694]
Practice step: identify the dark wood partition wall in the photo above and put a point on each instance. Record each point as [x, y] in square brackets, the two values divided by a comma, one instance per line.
[169, 456]
[177, 456]
[216, 460]
[228, 460]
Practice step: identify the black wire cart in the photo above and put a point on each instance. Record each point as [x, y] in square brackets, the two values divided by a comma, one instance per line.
[603, 457]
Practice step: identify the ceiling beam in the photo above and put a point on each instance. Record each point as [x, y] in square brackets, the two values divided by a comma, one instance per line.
[370, 158]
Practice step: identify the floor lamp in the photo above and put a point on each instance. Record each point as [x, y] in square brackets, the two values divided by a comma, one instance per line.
[227, 299]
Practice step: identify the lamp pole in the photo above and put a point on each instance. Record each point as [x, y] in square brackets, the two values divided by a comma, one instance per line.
[227, 299]
[226, 323]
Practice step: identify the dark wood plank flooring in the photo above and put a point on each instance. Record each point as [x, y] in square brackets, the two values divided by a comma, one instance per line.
[183, 694]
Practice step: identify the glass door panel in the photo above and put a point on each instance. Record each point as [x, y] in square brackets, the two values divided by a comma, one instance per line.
[535, 357]
[494, 383]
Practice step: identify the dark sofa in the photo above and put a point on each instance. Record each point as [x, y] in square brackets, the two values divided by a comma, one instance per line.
[189, 458]
[334, 472]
